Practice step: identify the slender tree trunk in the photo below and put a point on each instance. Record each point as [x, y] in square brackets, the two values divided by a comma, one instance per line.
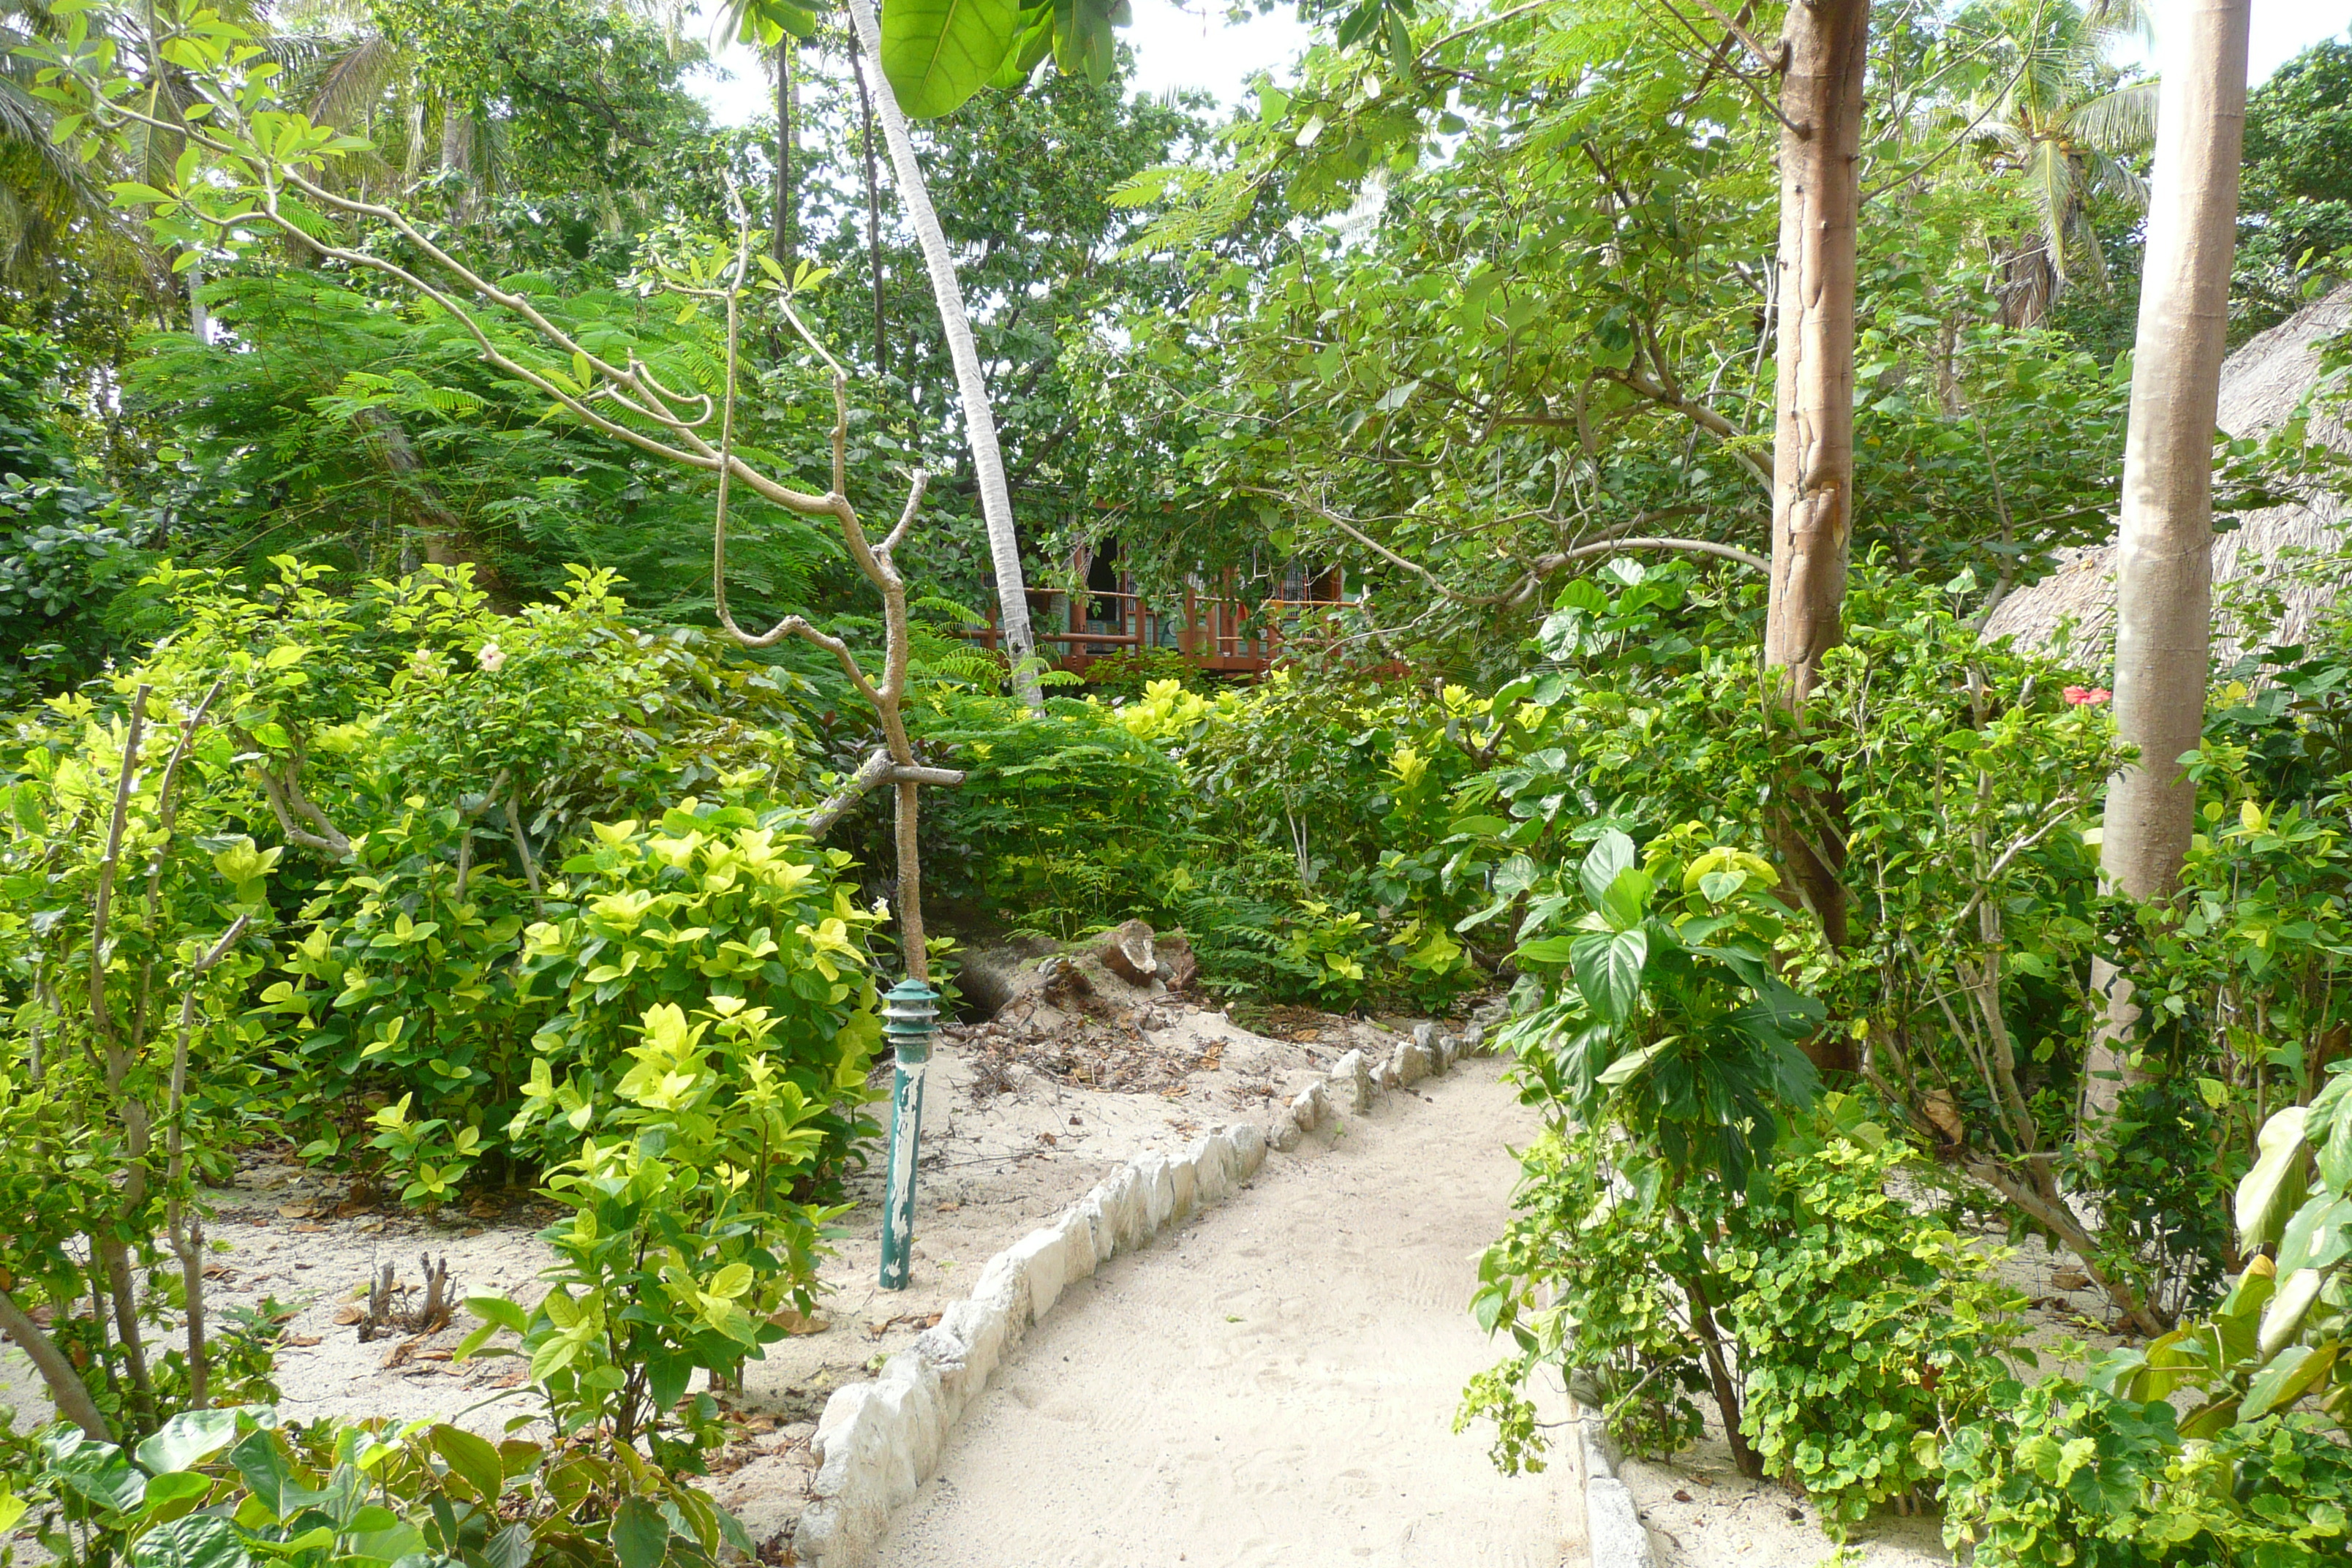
[971, 386]
[783, 244]
[66, 1390]
[1812, 447]
[1825, 47]
[873, 221]
[200, 321]
[2164, 547]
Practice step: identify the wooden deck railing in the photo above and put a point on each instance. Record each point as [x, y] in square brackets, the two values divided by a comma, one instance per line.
[1223, 635]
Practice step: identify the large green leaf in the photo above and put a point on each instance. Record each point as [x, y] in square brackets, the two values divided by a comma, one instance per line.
[2317, 1236]
[2295, 1373]
[471, 1459]
[1610, 857]
[2271, 1190]
[199, 1541]
[938, 52]
[1626, 898]
[266, 1472]
[2284, 1316]
[640, 1535]
[178, 1492]
[1082, 42]
[1033, 40]
[1609, 971]
[188, 1439]
[99, 1471]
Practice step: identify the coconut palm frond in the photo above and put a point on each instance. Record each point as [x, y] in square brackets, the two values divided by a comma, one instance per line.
[2123, 121]
[299, 54]
[2089, 257]
[2050, 187]
[2119, 18]
[42, 176]
[354, 80]
[2112, 177]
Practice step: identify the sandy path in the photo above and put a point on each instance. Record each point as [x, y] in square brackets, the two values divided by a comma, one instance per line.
[1275, 1383]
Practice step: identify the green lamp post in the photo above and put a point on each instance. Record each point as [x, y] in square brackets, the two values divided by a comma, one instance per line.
[910, 1011]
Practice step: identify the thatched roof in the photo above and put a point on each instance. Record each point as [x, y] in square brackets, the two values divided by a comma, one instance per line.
[2263, 384]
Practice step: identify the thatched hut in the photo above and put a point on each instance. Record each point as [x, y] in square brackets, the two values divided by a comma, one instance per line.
[2071, 613]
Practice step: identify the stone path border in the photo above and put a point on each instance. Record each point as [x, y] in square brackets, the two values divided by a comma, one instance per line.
[879, 1440]
[1613, 1531]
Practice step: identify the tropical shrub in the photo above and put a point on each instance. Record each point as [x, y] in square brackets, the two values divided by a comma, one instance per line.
[2081, 1474]
[685, 1236]
[131, 918]
[243, 1484]
[1866, 1329]
[1845, 1330]
[711, 903]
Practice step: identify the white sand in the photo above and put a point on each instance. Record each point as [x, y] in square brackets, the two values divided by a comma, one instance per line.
[1275, 1383]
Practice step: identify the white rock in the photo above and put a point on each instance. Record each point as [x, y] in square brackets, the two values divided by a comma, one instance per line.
[1041, 1255]
[962, 1365]
[852, 1505]
[1351, 1082]
[908, 1394]
[1612, 1526]
[1449, 1051]
[833, 1426]
[1309, 1106]
[1212, 1174]
[1078, 1254]
[1474, 1040]
[1184, 1176]
[1125, 1199]
[1248, 1145]
[1411, 1065]
[1159, 1192]
[1283, 1135]
[1003, 1286]
[1388, 1075]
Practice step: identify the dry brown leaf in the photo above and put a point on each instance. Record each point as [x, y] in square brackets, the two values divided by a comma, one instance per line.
[297, 1211]
[398, 1355]
[298, 1341]
[796, 1323]
[308, 1229]
[1943, 1112]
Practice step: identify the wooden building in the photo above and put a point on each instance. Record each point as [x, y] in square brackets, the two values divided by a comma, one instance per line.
[1226, 631]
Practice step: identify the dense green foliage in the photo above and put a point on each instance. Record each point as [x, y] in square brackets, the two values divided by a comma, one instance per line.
[374, 778]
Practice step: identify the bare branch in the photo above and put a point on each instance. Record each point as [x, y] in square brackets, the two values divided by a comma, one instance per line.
[284, 793]
[1698, 414]
[1689, 546]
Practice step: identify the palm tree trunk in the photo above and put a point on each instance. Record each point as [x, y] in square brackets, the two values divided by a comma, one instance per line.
[873, 219]
[971, 386]
[2164, 546]
[1825, 44]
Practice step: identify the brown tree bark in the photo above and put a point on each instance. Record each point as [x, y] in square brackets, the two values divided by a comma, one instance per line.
[1824, 44]
[1825, 47]
[2164, 546]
